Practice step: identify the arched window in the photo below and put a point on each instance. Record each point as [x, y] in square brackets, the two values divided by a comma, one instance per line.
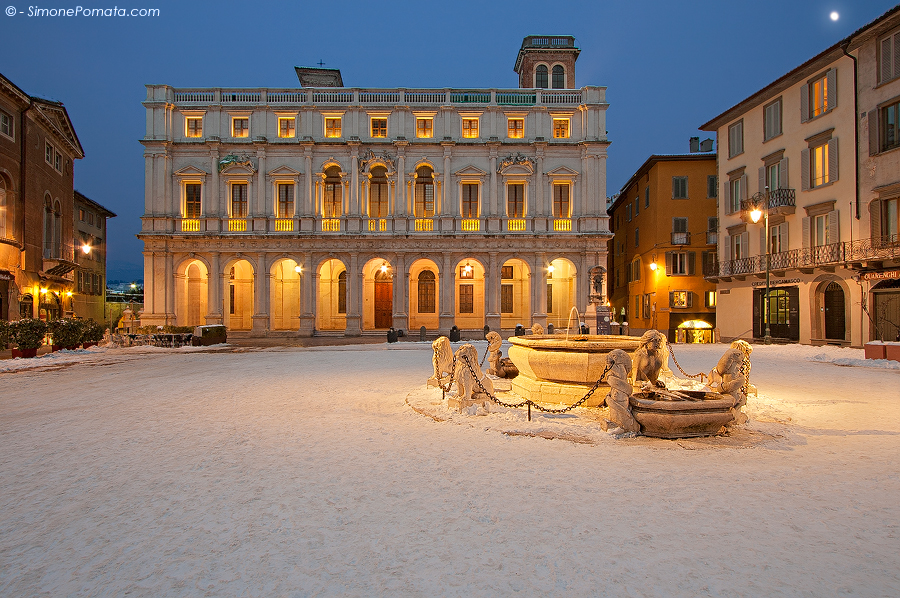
[378, 193]
[426, 292]
[26, 306]
[48, 227]
[424, 192]
[540, 77]
[559, 77]
[3, 208]
[342, 292]
[334, 197]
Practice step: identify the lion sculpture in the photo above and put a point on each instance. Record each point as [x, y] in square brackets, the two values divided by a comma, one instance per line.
[442, 360]
[649, 359]
[467, 374]
[619, 363]
[728, 378]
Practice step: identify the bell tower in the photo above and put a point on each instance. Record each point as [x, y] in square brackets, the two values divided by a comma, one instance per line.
[547, 62]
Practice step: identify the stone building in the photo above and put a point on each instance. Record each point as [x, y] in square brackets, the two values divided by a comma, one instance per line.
[38, 147]
[664, 225]
[89, 293]
[335, 210]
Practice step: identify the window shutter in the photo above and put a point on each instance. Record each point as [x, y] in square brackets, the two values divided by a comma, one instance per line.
[807, 223]
[832, 160]
[873, 132]
[674, 187]
[804, 170]
[831, 78]
[671, 298]
[834, 227]
[875, 218]
[728, 250]
[692, 258]
[668, 263]
[783, 174]
[690, 299]
[744, 188]
[745, 244]
[785, 240]
[804, 103]
[776, 118]
[762, 179]
[726, 196]
[896, 59]
[887, 69]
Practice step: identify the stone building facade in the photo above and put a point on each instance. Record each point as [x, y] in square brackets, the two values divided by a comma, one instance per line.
[348, 211]
[89, 293]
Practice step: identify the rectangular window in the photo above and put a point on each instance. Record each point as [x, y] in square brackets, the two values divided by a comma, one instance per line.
[470, 200]
[628, 212]
[424, 200]
[424, 127]
[712, 186]
[58, 163]
[333, 207]
[773, 176]
[49, 153]
[637, 237]
[515, 200]
[560, 201]
[192, 200]
[333, 127]
[239, 200]
[772, 120]
[889, 58]
[637, 207]
[342, 292]
[637, 306]
[736, 139]
[81, 214]
[819, 96]
[890, 222]
[710, 298]
[818, 165]
[467, 299]
[506, 298]
[560, 128]
[636, 270]
[231, 299]
[6, 124]
[194, 126]
[678, 263]
[285, 200]
[379, 127]
[515, 128]
[470, 128]
[647, 197]
[738, 246]
[778, 238]
[506, 272]
[736, 195]
[890, 126]
[679, 187]
[646, 309]
[287, 125]
[680, 299]
[240, 127]
[820, 230]
[549, 298]
[426, 294]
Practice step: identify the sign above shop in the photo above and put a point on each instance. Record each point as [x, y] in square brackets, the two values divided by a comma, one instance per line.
[773, 283]
[883, 275]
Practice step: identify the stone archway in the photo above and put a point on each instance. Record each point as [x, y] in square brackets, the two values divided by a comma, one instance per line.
[834, 317]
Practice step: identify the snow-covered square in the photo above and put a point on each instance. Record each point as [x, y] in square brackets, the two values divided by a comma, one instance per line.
[295, 471]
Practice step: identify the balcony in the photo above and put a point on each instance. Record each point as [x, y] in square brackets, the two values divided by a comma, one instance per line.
[562, 225]
[515, 225]
[781, 201]
[681, 238]
[237, 225]
[377, 225]
[471, 225]
[59, 259]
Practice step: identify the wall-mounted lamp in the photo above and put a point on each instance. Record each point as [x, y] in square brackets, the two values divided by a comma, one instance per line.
[298, 268]
[384, 267]
[43, 291]
[653, 266]
[551, 268]
[467, 269]
[86, 249]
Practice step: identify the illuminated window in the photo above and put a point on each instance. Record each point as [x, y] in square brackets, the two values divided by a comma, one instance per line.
[3, 202]
[515, 200]
[515, 128]
[506, 272]
[342, 292]
[424, 197]
[818, 165]
[285, 200]
[540, 77]
[194, 126]
[560, 128]
[470, 128]
[559, 77]
[427, 288]
[467, 299]
[6, 124]
[286, 126]
[239, 200]
[424, 127]
[710, 298]
[333, 200]
[378, 193]
[819, 96]
[240, 127]
[681, 299]
[333, 127]
[470, 200]
[379, 127]
[549, 297]
[561, 201]
[192, 200]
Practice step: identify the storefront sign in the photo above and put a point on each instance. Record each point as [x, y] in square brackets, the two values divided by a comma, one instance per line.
[773, 283]
[883, 275]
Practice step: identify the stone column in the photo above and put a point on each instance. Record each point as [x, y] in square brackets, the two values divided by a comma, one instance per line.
[539, 290]
[260, 317]
[259, 209]
[447, 312]
[401, 293]
[149, 284]
[212, 202]
[307, 297]
[492, 292]
[354, 303]
[400, 199]
[170, 288]
[214, 290]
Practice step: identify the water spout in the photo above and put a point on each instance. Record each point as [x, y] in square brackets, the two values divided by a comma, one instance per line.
[569, 321]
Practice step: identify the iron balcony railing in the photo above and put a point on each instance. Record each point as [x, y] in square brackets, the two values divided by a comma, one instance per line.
[779, 198]
[879, 248]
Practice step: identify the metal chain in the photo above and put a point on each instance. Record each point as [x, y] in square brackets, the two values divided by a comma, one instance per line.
[486, 350]
[529, 401]
[701, 375]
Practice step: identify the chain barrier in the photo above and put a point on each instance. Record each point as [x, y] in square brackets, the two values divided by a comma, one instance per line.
[446, 389]
[528, 402]
[700, 376]
[486, 351]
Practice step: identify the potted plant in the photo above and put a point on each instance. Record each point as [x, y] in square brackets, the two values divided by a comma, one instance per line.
[28, 334]
[91, 334]
[66, 333]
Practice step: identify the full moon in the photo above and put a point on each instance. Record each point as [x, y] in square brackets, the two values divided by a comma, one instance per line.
[835, 16]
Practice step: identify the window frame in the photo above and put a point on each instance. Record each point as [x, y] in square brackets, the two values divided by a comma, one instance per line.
[712, 186]
[196, 134]
[424, 127]
[736, 139]
[515, 132]
[467, 298]
[678, 182]
[244, 202]
[280, 203]
[49, 153]
[245, 132]
[426, 293]
[539, 75]
[466, 127]
[883, 124]
[188, 202]
[558, 202]
[333, 126]
[10, 125]
[558, 77]
[379, 130]
[466, 201]
[560, 131]
[516, 202]
[775, 127]
[292, 128]
[425, 185]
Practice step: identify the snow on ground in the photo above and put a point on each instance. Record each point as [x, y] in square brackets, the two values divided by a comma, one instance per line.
[306, 472]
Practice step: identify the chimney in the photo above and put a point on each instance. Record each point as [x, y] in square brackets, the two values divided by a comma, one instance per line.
[695, 145]
[706, 145]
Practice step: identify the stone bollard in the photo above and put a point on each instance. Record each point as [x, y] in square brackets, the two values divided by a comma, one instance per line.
[486, 330]
[392, 335]
[454, 334]
[550, 329]
[422, 333]
[520, 330]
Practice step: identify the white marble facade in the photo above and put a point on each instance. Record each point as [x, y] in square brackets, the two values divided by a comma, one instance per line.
[342, 210]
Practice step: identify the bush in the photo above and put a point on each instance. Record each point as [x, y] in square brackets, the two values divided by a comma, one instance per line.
[93, 332]
[28, 333]
[66, 332]
[4, 334]
[178, 329]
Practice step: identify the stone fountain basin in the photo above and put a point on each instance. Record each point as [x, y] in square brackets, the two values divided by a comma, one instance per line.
[682, 419]
[553, 369]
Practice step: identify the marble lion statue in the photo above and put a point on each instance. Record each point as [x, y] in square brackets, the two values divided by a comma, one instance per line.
[494, 355]
[442, 360]
[745, 348]
[537, 329]
[619, 363]
[728, 378]
[466, 386]
[650, 358]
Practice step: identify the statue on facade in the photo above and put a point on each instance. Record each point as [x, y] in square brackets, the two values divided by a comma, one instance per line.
[620, 389]
[442, 361]
[649, 359]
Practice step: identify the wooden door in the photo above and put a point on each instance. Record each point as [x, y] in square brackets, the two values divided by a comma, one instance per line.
[834, 312]
[384, 300]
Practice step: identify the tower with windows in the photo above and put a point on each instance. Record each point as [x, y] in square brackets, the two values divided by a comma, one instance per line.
[547, 62]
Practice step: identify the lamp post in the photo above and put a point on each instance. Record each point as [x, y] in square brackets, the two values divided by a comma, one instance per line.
[755, 215]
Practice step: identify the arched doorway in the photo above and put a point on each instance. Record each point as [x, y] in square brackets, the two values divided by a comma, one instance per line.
[331, 296]
[424, 295]
[49, 308]
[26, 306]
[561, 279]
[469, 294]
[191, 294]
[835, 312]
[239, 296]
[515, 294]
[285, 295]
[384, 299]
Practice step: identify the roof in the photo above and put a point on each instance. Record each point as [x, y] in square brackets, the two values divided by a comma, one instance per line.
[14, 90]
[52, 114]
[81, 197]
[311, 76]
[650, 162]
[806, 69]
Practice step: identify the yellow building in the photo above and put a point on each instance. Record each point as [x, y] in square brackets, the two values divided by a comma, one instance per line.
[664, 224]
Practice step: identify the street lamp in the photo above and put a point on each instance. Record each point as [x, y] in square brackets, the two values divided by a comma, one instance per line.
[755, 214]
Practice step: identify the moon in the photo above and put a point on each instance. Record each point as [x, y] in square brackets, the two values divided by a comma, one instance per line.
[834, 16]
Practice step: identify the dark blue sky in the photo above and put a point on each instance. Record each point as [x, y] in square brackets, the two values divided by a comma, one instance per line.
[670, 66]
